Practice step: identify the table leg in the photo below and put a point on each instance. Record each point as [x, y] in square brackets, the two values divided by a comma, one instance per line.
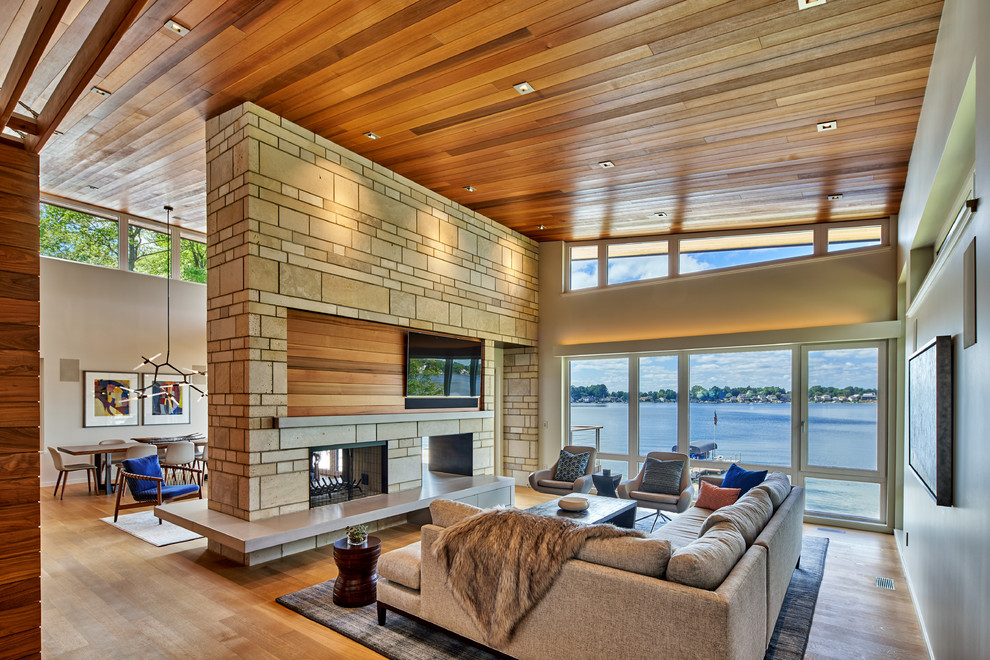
[104, 472]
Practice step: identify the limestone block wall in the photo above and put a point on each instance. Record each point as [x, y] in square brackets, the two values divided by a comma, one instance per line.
[296, 221]
[520, 421]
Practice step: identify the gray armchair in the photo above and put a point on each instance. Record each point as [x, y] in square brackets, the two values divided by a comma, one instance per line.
[630, 490]
[543, 480]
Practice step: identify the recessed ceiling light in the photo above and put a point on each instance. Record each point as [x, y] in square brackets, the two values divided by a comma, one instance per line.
[101, 92]
[541, 227]
[176, 28]
[660, 214]
[835, 197]
[524, 88]
[372, 136]
[804, 4]
[606, 164]
[469, 188]
[827, 126]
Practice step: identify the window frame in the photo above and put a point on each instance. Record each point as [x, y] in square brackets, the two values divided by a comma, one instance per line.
[124, 222]
[798, 469]
[819, 250]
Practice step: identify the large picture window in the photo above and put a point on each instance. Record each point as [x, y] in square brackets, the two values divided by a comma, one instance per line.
[815, 412]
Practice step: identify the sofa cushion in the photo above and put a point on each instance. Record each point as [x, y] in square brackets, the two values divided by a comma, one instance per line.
[654, 497]
[402, 565]
[550, 483]
[705, 562]
[777, 486]
[445, 513]
[662, 476]
[647, 556]
[571, 467]
[736, 477]
[749, 515]
[683, 528]
[713, 497]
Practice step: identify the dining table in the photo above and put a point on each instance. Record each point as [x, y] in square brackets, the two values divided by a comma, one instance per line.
[102, 454]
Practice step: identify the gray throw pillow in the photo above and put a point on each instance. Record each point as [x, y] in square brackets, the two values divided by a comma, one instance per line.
[662, 476]
[571, 467]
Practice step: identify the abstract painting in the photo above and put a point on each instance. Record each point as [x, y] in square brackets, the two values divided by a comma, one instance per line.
[930, 417]
[167, 401]
[108, 399]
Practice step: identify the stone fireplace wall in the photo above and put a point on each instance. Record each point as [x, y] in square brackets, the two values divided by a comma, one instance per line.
[296, 221]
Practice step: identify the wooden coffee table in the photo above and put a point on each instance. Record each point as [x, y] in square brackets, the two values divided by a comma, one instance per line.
[621, 513]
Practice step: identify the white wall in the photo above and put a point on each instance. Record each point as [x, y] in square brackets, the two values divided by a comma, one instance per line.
[945, 549]
[107, 319]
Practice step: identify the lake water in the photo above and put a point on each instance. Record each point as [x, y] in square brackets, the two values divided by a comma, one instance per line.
[839, 435]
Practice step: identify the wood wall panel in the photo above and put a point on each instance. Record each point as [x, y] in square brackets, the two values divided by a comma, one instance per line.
[339, 366]
[20, 532]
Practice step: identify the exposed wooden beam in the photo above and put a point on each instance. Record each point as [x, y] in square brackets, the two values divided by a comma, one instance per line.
[107, 32]
[23, 123]
[40, 29]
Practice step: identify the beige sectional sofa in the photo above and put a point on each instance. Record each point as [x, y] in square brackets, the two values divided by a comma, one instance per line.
[629, 595]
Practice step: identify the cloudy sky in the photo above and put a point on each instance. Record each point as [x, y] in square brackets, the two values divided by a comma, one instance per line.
[831, 368]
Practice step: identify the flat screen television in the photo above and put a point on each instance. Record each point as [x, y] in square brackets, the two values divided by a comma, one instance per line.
[442, 371]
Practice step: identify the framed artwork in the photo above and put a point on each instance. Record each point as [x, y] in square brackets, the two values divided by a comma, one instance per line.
[107, 399]
[930, 417]
[167, 401]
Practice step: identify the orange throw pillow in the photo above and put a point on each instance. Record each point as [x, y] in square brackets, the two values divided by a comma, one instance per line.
[713, 497]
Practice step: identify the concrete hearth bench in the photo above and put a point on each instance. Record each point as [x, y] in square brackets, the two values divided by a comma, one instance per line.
[255, 542]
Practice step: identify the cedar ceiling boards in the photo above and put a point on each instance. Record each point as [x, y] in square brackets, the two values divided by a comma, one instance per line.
[707, 107]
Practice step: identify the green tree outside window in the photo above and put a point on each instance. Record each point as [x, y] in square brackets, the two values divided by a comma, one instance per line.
[148, 251]
[78, 236]
[192, 260]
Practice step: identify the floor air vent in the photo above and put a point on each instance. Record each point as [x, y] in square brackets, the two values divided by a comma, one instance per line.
[885, 583]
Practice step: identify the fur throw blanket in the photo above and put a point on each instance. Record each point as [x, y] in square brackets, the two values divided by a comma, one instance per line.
[500, 563]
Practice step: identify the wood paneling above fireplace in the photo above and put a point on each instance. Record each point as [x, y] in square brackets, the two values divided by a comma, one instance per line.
[341, 366]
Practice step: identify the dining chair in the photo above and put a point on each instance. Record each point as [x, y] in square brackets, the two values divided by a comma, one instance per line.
[200, 461]
[144, 478]
[115, 459]
[140, 451]
[182, 453]
[63, 471]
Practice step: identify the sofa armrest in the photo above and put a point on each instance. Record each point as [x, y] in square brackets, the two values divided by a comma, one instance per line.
[713, 480]
[539, 475]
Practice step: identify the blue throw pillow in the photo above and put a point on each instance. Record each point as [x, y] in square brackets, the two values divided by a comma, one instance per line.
[736, 477]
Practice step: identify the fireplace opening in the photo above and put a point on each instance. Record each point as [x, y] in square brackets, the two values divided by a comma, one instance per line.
[349, 472]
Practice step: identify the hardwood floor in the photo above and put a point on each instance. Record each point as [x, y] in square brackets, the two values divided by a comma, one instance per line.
[108, 594]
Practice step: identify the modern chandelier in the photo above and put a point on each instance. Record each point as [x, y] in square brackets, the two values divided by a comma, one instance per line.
[177, 375]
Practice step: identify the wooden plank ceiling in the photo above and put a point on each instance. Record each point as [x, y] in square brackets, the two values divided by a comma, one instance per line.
[707, 108]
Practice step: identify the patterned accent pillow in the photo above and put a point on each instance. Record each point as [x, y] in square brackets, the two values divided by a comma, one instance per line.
[662, 476]
[571, 467]
[713, 497]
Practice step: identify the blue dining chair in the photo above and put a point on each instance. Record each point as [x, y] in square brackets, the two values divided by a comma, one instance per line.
[144, 478]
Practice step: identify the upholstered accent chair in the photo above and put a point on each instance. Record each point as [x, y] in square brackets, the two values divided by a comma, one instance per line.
[144, 478]
[544, 481]
[658, 501]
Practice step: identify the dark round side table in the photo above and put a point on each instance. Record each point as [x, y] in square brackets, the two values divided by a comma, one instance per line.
[606, 484]
[357, 572]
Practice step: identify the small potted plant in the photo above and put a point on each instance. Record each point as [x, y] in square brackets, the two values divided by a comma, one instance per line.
[357, 534]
